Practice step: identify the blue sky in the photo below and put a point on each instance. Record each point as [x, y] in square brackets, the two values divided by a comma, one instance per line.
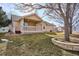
[10, 9]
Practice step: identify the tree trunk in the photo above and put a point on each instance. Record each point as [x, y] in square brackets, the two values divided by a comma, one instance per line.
[66, 23]
[70, 24]
[66, 27]
[70, 30]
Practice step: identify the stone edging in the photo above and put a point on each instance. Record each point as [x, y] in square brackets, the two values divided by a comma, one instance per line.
[66, 45]
[73, 39]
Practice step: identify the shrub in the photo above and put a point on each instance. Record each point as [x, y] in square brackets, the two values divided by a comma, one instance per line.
[17, 32]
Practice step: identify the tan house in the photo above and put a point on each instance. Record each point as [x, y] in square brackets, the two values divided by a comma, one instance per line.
[30, 24]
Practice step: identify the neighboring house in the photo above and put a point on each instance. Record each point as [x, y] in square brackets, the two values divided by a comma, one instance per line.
[4, 29]
[60, 29]
[30, 24]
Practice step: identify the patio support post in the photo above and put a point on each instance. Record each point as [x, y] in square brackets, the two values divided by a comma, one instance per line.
[14, 27]
[22, 22]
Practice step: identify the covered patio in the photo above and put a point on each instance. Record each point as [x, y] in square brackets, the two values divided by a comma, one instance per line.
[28, 24]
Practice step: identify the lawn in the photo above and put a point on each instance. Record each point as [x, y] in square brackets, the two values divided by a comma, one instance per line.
[58, 36]
[33, 45]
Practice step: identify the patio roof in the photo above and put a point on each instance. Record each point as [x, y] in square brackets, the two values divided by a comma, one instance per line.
[33, 17]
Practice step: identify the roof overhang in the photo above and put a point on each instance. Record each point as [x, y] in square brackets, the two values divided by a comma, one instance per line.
[32, 17]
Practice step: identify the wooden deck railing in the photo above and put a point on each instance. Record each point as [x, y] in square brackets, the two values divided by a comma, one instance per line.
[30, 28]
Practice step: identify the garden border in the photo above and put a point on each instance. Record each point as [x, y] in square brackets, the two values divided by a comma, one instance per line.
[66, 45]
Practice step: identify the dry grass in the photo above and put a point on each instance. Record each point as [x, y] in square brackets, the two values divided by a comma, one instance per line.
[58, 36]
[33, 45]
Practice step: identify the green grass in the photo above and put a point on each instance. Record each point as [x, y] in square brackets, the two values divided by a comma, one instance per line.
[32, 45]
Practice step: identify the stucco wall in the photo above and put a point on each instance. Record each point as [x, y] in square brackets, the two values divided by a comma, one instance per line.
[50, 28]
[39, 27]
[45, 28]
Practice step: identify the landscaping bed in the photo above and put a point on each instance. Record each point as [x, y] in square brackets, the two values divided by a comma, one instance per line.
[66, 45]
[59, 41]
[74, 38]
[75, 35]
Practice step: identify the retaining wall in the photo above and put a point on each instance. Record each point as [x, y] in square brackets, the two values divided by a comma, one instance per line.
[66, 45]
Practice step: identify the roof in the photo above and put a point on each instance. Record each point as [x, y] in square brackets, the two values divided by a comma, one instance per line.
[27, 17]
[30, 17]
[49, 23]
[33, 17]
[15, 18]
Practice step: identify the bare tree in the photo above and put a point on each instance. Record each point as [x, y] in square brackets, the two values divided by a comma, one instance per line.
[22, 7]
[61, 11]
[72, 12]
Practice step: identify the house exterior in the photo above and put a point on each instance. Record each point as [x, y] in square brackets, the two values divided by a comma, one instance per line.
[60, 29]
[30, 24]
